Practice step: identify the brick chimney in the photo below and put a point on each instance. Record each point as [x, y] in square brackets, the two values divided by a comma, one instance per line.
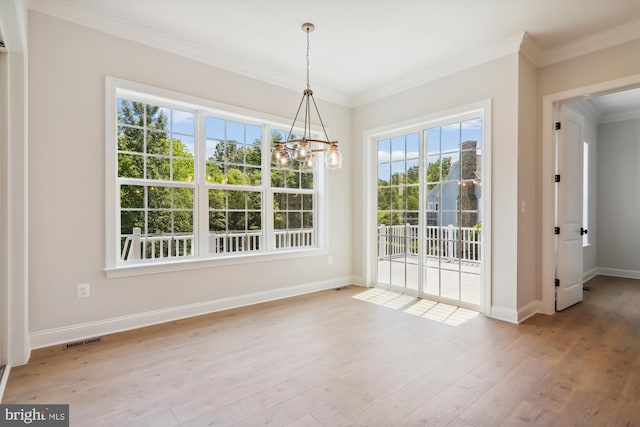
[467, 196]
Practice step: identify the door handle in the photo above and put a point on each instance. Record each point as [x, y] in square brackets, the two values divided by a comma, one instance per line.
[583, 231]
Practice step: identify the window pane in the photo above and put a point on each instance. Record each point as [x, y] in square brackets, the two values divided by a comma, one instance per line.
[159, 168]
[277, 178]
[183, 170]
[254, 201]
[183, 146]
[236, 200]
[130, 139]
[159, 197]
[182, 122]
[472, 131]
[214, 128]
[159, 222]
[293, 179]
[130, 112]
[183, 198]
[215, 172]
[217, 222]
[130, 220]
[158, 143]
[294, 220]
[130, 166]
[157, 117]
[217, 199]
[306, 180]
[254, 175]
[183, 222]
[307, 204]
[253, 135]
[237, 221]
[294, 201]
[131, 196]
[255, 221]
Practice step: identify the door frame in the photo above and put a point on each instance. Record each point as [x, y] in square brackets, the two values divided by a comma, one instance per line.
[369, 176]
[549, 104]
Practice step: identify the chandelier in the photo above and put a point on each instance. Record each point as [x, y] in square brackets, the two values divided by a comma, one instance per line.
[304, 148]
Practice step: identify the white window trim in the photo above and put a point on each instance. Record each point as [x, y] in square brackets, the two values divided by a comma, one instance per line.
[469, 111]
[114, 88]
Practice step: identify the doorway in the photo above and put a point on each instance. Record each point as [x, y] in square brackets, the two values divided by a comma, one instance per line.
[430, 209]
[552, 262]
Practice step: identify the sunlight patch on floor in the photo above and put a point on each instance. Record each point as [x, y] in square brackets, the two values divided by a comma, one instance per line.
[432, 310]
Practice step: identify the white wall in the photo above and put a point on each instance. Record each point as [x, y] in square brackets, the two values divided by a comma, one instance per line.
[528, 188]
[619, 195]
[604, 69]
[14, 182]
[66, 159]
[498, 81]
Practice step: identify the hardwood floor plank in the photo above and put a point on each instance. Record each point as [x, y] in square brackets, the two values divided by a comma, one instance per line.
[329, 359]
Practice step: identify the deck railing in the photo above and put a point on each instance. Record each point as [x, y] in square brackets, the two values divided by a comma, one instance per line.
[138, 247]
[449, 242]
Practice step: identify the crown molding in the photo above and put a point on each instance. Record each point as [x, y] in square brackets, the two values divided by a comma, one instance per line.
[602, 40]
[620, 117]
[91, 18]
[524, 43]
[530, 49]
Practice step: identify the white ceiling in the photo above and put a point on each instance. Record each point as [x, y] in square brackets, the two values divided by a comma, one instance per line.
[361, 49]
[612, 107]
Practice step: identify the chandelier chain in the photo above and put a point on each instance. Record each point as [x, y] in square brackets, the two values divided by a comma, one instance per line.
[308, 87]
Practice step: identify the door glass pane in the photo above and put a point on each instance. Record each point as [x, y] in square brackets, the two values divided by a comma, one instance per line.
[398, 191]
[452, 211]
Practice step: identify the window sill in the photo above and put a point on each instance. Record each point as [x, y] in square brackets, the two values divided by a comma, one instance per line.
[145, 268]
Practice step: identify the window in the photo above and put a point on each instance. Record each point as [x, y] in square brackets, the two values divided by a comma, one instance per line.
[194, 182]
[293, 201]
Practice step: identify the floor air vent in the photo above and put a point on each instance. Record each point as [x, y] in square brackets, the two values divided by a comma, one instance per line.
[82, 343]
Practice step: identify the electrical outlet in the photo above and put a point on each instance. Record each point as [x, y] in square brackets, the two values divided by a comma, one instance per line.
[84, 290]
[330, 260]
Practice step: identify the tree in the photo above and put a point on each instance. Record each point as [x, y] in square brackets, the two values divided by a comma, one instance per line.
[433, 171]
[170, 209]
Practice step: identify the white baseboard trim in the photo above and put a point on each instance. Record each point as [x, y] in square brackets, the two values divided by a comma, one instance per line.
[506, 314]
[588, 275]
[357, 280]
[71, 333]
[619, 272]
[534, 307]
[3, 380]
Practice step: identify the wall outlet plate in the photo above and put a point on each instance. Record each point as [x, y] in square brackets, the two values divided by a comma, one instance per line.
[84, 290]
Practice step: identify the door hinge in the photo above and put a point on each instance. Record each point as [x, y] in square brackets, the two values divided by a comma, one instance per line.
[558, 126]
[556, 178]
[557, 282]
[556, 230]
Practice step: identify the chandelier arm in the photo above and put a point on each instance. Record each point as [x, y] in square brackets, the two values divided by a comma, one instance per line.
[320, 118]
[295, 119]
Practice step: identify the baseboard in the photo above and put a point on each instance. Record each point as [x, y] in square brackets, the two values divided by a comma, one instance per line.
[534, 307]
[3, 380]
[590, 274]
[357, 280]
[619, 272]
[67, 334]
[505, 314]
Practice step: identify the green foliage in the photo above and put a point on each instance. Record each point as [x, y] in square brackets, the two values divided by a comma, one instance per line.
[170, 209]
[433, 171]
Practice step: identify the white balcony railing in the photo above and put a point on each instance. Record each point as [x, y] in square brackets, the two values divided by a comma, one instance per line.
[450, 242]
[139, 247]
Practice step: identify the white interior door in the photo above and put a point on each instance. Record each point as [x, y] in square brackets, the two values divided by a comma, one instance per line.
[569, 209]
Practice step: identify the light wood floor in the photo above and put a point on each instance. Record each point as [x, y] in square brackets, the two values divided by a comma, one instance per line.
[328, 359]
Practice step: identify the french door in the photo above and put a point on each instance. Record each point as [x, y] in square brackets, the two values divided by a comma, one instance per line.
[430, 210]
